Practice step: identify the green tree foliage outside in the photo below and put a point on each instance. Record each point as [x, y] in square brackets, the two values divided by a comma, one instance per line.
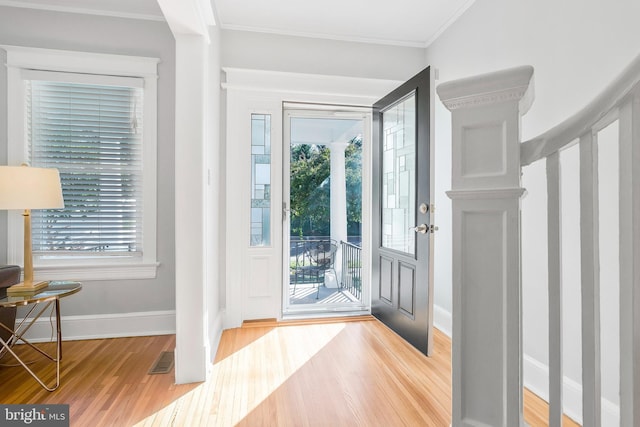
[311, 188]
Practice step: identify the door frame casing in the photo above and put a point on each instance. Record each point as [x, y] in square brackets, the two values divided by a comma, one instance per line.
[266, 92]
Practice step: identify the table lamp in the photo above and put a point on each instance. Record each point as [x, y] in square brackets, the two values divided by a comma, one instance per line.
[26, 188]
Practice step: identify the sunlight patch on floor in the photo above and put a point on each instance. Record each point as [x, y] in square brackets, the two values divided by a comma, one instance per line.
[257, 370]
[221, 401]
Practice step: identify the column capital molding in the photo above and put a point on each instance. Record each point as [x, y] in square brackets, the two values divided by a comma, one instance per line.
[515, 84]
[339, 144]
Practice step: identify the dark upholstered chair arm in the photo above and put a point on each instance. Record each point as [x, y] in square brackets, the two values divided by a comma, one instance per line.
[9, 275]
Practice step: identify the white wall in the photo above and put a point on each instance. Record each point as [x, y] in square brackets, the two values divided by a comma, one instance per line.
[241, 49]
[576, 48]
[111, 307]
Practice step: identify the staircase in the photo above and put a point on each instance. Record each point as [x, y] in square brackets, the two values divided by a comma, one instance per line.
[488, 157]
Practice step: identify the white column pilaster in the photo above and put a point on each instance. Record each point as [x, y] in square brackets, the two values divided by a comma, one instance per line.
[189, 24]
[338, 203]
[486, 193]
[191, 343]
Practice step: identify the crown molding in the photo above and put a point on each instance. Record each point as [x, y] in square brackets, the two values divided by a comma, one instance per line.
[83, 11]
[453, 18]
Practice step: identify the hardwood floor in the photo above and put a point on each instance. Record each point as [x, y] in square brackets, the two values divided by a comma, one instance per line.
[340, 373]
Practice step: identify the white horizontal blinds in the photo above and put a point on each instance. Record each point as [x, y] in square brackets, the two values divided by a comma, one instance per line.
[92, 133]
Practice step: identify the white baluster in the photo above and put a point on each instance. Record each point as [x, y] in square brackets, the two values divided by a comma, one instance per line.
[590, 271]
[554, 232]
[630, 262]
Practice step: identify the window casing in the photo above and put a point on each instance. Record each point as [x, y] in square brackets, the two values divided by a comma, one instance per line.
[93, 117]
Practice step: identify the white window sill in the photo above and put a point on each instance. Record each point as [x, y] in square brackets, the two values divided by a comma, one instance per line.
[110, 271]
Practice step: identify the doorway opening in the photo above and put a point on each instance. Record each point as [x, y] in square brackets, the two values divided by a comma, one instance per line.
[326, 210]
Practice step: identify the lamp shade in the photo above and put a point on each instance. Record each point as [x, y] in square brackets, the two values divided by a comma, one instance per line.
[24, 187]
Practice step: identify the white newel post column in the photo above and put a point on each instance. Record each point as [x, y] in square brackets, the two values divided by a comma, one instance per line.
[486, 193]
[338, 205]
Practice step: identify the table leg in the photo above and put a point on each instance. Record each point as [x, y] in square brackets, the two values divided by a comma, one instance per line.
[58, 330]
[18, 336]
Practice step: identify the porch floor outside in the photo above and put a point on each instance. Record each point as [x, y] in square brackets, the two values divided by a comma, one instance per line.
[317, 293]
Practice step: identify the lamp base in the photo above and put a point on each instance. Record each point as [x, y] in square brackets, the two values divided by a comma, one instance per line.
[22, 289]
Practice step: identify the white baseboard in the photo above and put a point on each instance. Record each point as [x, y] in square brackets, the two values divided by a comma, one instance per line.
[536, 379]
[442, 320]
[216, 334]
[105, 326]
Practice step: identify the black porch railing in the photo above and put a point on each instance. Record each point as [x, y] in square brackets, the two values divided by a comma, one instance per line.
[310, 259]
[352, 269]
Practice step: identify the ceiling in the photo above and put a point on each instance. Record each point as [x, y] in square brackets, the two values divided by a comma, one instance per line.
[398, 22]
[413, 23]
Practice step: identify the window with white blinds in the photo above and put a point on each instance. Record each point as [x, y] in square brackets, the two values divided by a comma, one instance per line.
[93, 135]
[94, 117]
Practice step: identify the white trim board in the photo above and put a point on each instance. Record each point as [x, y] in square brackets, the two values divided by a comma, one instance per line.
[336, 89]
[442, 320]
[101, 326]
[216, 335]
[35, 58]
[536, 379]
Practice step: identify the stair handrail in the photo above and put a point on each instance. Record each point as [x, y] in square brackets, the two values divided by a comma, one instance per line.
[596, 115]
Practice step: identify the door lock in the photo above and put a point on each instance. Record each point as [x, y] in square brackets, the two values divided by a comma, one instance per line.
[422, 228]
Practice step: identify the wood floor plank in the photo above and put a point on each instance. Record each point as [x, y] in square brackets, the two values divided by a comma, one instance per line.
[328, 373]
